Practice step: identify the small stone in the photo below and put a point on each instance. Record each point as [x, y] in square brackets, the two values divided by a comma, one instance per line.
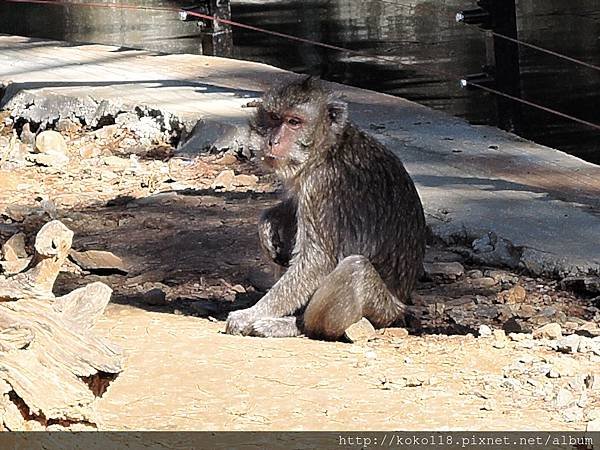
[587, 345]
[14, 248]
[398, 333]
[116, 162]
[569, 344]
[414, 381]
[49, 159]
[511, 383]
[245, 180]
[484, 283]
[98, 260]
[475, 274]
[486, 311]
[51, 142]
[484, 331]
[224, 180]
[593, 425]
[573, 414]
[526, 311]
[89, 150]
[553, 373]
[518, 337]
[27, 136]
[444, 270]
[227, 159]
[564, 398]
[360, 331]
[499, 335]
[548, 331]
[488, 405]
[238, 288]
[107, 132]
[514, 295]
[154, 297]
[67, 126]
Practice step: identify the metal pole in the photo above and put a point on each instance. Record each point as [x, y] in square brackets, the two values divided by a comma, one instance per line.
[217, 38]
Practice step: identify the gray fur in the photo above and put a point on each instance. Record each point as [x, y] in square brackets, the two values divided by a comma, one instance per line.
[357, 231]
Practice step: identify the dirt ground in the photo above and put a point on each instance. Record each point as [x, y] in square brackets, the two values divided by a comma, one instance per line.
[187, 233]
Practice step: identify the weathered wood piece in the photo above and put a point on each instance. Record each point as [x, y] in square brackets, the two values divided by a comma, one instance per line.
[48, 348]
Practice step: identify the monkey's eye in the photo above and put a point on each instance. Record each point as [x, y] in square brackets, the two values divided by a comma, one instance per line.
[274, 117]
[294, 122]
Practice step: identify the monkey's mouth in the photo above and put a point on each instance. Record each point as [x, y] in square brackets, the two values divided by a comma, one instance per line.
[271, 160]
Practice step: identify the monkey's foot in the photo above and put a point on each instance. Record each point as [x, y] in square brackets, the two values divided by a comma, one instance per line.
[275, 327]
[240, 322]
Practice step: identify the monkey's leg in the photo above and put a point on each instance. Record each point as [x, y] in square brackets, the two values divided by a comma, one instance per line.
[353, 290]
[277, 231]
[276, 327]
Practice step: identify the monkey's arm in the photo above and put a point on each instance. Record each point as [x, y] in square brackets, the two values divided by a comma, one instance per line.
[292, 292]
[277, 231]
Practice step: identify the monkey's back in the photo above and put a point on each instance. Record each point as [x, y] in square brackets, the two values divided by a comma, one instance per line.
[365, 203]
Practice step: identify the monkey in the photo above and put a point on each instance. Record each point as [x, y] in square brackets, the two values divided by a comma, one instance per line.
[349, 231]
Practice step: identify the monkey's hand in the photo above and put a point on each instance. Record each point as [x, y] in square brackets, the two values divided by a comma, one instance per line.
[240, 322]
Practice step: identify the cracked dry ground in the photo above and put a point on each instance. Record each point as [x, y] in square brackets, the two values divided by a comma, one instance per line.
[187, 229]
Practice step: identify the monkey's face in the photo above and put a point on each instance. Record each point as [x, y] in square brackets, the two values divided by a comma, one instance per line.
[294, 122]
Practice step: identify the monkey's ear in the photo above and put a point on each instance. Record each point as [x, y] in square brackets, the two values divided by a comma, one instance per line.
[338, 114]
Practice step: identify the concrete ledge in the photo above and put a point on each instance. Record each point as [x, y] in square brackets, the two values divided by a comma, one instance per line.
[524, 204]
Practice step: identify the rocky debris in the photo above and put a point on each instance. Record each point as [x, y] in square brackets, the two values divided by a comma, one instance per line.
[395, 333]
[513, 296]
[593, 425]
[68, 126]
[227, 180]
[495, 251]
[444, 271]
[154, 297]
[98, 261]
[362, 330]
[14, 248]
[569, 344]
[89, 150]
[548, 331]
[585, 285]
[27, 136]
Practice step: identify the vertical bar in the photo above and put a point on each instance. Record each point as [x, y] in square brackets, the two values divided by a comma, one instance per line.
[506, 62]
[217, 38]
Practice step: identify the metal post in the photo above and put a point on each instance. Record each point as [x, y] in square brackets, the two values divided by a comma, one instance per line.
[217, 38]
[502, 65]
[506, 63]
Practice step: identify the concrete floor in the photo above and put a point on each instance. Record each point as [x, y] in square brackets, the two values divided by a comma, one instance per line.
[542, 205]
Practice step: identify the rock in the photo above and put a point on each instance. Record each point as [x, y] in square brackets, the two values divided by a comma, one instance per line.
[564, 398]
[107, 132]
[51, 142]
[224, 180]
[587, 345]
[154, 297]
[98, 260]
[14, 248]
[245, 180]
[67, 126]
[569, 344]
[444, 270]
[27, 136]
[526, 311]
[89, 150]
[573, 414]
[484, 331]
[584, 285]
[502, 276]
[415, 381]
[553, 373]
[116, 162]
[519, 337]
[360, 331]
[514, 295]
[49, 159]
[398, 333]
[475, 274]
[495, 251]
[563, 368]
[227, 159]
[486, 311]
[593, 425]
[548, 331]
[483, 283]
